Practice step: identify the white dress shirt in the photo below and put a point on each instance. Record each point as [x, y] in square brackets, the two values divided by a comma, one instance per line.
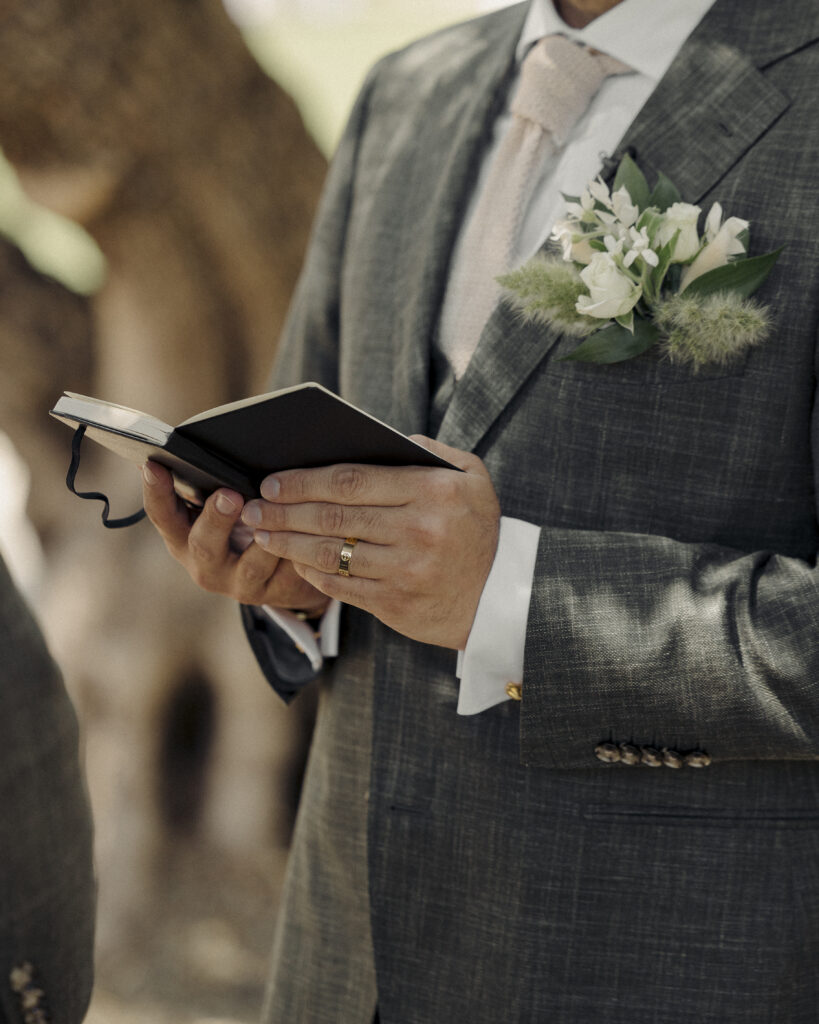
[646, 35]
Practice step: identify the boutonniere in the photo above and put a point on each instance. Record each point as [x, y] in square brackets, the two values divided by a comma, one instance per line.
[636, 272]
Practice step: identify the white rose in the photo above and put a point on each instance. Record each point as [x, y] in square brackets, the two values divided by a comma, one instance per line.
[611, 292]
[724, 244]
[680, 217]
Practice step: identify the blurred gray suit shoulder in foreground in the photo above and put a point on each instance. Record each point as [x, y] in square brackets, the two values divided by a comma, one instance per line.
[47, 887]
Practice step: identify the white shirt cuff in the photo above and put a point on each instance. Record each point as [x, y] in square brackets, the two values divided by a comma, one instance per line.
[302, 635]
[493, 657]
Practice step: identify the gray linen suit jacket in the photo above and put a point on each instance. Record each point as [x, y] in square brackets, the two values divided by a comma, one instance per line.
[492, 868]
[47, 888]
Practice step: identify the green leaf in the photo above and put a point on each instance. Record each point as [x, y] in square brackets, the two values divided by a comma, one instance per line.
[667, 251]
[665, 194]
[614, 344]
[570, 199]
[651, 221]
[630, 177]
[664, 261]
[597, 244]
[626, 321]
[741, 276]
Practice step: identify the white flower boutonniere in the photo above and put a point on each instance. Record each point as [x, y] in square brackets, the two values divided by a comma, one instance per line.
[635, 272]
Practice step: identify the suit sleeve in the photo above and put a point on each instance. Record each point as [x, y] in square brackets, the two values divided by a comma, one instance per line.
[644, 640]
[47, 886]
[308, 350]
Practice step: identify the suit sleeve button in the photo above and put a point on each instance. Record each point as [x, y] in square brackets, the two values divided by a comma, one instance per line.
[651, 757]
[629, 754]
[697, 759]
[672, 758]
[609, 753]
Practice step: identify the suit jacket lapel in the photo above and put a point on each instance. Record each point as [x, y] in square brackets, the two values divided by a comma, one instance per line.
[708, 110]
[450, 145]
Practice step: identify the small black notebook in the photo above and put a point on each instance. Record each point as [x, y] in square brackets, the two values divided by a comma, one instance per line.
[237, 445]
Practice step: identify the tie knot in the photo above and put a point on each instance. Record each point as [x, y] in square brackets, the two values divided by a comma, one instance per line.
[558, 79]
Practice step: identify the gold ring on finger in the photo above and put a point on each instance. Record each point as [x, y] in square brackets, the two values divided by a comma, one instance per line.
[345, 556]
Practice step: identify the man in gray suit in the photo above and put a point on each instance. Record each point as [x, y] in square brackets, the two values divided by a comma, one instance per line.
[637, 837]
[47, 889]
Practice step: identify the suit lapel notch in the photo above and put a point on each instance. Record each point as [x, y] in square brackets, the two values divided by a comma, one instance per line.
[705, 114]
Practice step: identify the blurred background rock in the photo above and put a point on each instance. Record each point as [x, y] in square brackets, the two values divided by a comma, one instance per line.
[162, 161]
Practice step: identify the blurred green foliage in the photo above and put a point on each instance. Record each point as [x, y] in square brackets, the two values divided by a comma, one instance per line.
[53, 244]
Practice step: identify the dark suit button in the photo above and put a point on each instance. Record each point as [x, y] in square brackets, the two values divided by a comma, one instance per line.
[697, 759]
[607, 752]
[629, 754]
[672, 758]
[651, 757]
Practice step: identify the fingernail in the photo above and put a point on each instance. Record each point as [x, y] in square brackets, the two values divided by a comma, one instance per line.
[224, 504]
[148, 475]
[270, 487]
[252, 515]
[262, 538]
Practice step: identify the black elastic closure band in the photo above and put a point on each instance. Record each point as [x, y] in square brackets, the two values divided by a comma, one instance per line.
[111, 524]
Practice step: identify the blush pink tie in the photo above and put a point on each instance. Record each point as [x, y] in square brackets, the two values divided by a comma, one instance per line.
[558, 80]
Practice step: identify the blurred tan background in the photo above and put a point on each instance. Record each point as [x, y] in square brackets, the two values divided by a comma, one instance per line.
[161, 164]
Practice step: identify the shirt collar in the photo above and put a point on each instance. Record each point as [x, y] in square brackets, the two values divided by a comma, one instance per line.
[644, 34]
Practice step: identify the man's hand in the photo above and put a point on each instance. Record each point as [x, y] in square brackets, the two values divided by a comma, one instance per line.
[202, 544]
[426, 538]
